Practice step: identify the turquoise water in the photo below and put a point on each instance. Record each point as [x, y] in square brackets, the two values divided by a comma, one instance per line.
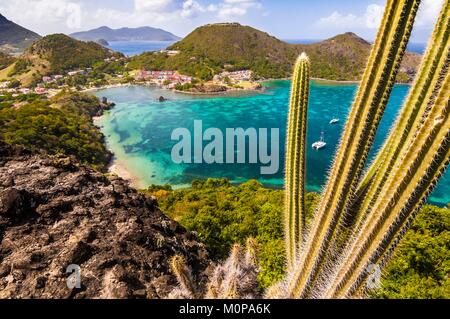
[139, 129]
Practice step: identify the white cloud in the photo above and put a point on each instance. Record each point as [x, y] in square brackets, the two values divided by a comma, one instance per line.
[373, 16]
[32, 13]
[151, 12]
[370, 19]
[428, 12]
[336, 19]
[144, 5]
[230, 9]
[212, 8]
[191, 8]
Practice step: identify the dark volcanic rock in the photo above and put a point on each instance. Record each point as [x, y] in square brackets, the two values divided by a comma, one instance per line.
[55, 212]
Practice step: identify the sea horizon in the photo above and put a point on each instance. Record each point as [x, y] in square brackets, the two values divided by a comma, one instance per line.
[133, 48]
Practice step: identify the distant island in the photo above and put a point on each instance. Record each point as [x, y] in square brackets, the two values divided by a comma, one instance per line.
[102, 42]
[125, 34]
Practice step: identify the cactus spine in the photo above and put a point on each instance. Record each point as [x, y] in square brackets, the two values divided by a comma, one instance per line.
[383, 204]
[428, 81]
[408, 185]
[183, 274]
[426, 109]
[358, 136]
[296, 159]
[235, 278]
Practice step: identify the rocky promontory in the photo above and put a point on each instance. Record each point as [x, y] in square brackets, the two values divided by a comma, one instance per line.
[55, 212]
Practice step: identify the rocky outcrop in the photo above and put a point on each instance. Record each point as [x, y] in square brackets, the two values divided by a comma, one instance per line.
[55, 213]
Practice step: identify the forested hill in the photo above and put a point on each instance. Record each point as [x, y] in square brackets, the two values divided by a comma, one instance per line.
[56, 53]
[5, 60]
[212, 48]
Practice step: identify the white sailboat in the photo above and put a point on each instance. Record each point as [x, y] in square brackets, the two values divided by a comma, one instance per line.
[334, 121]
[320, 144]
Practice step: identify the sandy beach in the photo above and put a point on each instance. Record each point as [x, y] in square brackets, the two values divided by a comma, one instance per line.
[337, 82]
[109, 86]
[124, 173]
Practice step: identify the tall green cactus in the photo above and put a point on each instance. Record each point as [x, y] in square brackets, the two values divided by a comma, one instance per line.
[296, 159]
[383, 204]
[406, 188]
[427, 83]
[357, 139]
[421, 135]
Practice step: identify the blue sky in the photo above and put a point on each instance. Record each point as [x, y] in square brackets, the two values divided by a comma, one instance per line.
[285, 19]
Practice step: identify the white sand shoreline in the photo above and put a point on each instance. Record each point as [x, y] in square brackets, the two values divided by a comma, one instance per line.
[123, 172]
[115, 166]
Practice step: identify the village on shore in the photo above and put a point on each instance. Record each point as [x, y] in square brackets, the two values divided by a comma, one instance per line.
[51, 85]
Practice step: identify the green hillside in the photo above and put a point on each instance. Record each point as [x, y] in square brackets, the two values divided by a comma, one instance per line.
[64, 53]
[54, 54]
[212, 48]
[223, 214]
[5, 60]
[60, 125]
[342, 57]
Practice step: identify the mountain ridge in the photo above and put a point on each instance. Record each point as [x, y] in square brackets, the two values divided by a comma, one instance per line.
[212, 48]
[125, 34]
[15, 38]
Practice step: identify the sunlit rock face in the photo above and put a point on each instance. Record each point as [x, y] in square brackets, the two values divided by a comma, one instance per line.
[55, 213]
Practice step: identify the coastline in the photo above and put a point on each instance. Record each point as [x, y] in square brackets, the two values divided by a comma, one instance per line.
[130, 170]
[115, 167]
[123, 172]
[222, 93]
[337, 82]
[120, 169]
[105, 87]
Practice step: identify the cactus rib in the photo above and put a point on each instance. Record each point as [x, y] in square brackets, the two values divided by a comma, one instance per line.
[415, 173]
[183, 275]
[423, 92]
[369, 105]
[295, 160]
